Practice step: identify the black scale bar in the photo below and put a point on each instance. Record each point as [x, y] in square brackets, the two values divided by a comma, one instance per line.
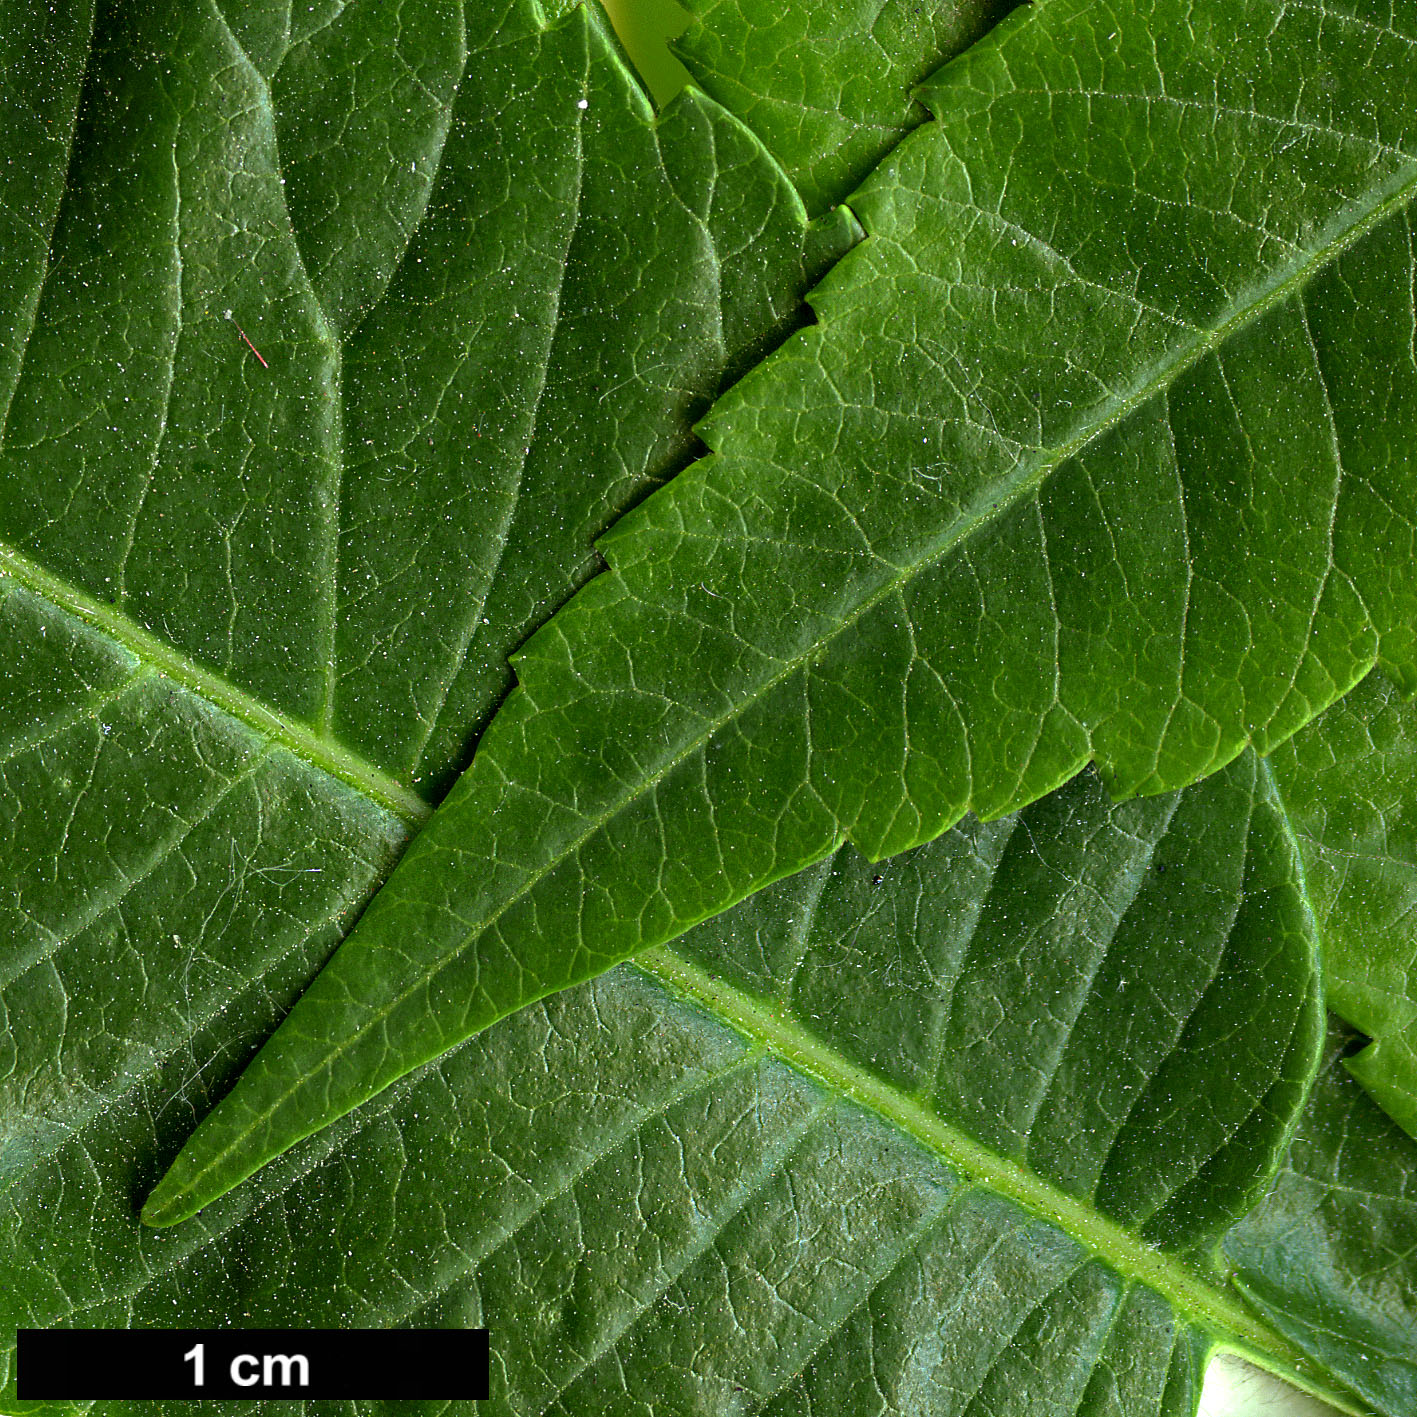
[97, 1364]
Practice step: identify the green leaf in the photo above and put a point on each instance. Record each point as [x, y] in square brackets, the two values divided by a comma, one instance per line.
[193, 813]
[1349, 783]
[1080, 464]
[828, 88]
[1329, 1257]
[954, 1135]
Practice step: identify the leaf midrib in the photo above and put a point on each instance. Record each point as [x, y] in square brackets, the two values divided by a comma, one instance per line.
[788, 1040]
[992, 505]
[1211, 1309]
[349, 767]
[321, 751]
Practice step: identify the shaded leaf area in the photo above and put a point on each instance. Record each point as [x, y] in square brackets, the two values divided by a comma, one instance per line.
[763, 1173]
[418, 216]
[1330, 1257]
[828, 88]
[1080, 464]
[43, 50]
[1349, 784]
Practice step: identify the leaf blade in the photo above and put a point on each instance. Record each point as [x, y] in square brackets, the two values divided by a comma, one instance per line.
[41, 73]
[778, 660]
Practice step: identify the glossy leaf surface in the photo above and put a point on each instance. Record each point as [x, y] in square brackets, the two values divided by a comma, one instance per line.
[1078, 465]
[1349, 784]
[952, 1136]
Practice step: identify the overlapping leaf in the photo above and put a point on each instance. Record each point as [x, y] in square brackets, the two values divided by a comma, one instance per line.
[1349, 783]
[195, 816]
[1349, 778]
[949, 1136]
[1080, 464]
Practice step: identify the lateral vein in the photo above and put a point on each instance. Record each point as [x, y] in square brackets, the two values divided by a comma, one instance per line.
[300, 738]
